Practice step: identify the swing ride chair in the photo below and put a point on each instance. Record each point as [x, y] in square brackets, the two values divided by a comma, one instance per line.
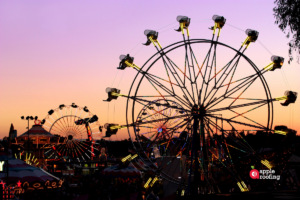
[111, 129]
[75, 128]
[112, 94]
[182, 126]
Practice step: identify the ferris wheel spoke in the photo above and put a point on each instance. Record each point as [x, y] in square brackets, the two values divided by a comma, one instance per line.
[78, 130]
[227, 66]
[218, 142]
[173, 65]
[180, 125]
[61, 124]
[182, 85]
[167, 71]
[187, 64]
[247, 77]
[154, 76]
[200, 68]
[263, 102]
[56, 128]
[247, 83]
[153, 117]
[237, 122]
[186, 103]
[240, 143]
[193, 57]
[243, 142]
[206, 66]
[241, 114]
[213, 62]
[238, 114]
[168, 118]
[242, 92]
[155, 112]
[172, 94]
[237, 56]
[234, 69]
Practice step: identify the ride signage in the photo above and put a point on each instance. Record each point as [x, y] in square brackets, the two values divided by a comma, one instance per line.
[2, 168]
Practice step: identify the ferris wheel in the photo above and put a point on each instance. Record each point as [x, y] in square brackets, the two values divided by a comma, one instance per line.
[190, 99]
[75, 128]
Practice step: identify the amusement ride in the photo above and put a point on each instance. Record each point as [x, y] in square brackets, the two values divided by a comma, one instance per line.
[190, 109]
[75, 128]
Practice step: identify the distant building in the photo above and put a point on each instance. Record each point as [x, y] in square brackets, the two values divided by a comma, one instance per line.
[15, 134]
[12, 132]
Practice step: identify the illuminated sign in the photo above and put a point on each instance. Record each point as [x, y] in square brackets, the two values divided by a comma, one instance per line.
[1, 165]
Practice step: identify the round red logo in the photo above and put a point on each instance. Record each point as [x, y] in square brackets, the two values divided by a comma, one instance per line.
[254, 174]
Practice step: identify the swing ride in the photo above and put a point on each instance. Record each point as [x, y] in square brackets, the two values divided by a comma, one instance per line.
[189, 108]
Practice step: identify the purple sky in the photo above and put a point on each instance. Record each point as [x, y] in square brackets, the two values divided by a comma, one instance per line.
[60, 52]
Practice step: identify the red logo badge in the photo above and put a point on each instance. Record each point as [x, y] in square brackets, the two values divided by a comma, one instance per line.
[254, 174]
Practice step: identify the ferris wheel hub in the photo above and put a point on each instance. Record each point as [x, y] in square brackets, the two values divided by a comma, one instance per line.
[198, 111]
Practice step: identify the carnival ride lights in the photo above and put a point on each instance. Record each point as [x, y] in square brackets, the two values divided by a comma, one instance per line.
[32, 161]
[74, 131]
[187, 103]
[86, 122]
[147, 183]
[129, 158]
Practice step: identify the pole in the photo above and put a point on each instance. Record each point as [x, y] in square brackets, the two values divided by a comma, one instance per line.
[193, 185]
[203, 150]
[28, 138]
[196, 138]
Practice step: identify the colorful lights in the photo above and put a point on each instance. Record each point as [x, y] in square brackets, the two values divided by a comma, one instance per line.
[154, 180]
[132, 65]
[277, 63]
[240, 186]
[147, 183]
[281, 98]
[245, 187]
[126, 158]
[280, 132]
[1, 165]
[266, 163]
[133, 157]
[182, 193]
[269, 66]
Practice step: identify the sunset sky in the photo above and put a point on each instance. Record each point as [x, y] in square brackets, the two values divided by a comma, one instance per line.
[63, 52]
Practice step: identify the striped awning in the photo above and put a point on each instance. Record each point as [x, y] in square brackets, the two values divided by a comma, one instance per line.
[18, 170]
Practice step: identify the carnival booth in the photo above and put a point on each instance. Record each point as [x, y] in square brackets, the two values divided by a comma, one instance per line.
[39, 141]
[37, 134]
[22, 176]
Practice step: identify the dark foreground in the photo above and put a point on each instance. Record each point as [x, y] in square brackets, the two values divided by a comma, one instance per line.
[278, 195]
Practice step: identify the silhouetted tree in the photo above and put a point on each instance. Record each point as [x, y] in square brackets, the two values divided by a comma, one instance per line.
[287, 14]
